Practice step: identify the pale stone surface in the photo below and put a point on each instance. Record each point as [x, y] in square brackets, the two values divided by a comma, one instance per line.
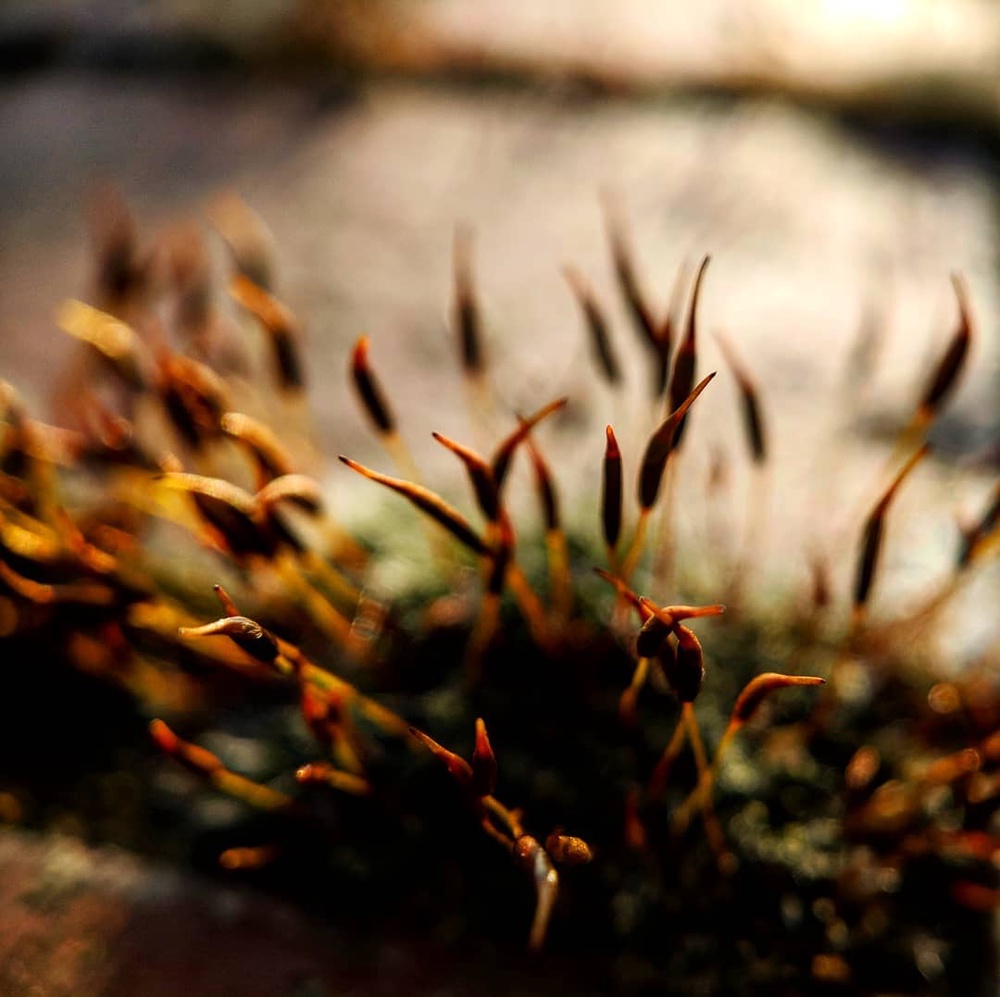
[924, 57]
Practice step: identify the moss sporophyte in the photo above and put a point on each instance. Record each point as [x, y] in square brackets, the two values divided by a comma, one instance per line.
[608, 764]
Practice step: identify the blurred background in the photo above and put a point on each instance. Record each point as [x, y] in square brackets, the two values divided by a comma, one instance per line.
[838, 160]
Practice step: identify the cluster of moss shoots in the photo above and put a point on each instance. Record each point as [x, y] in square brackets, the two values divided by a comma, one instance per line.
[164, 365]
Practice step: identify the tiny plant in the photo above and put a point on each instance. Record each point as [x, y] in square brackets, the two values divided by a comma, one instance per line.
[622, 770]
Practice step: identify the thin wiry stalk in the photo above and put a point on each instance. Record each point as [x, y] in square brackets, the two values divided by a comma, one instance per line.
[664, 766]
[427, 502]
[504, 452]
[208, 766]
[757, 504]
[560, 578]
[747, 704]
[713, 830]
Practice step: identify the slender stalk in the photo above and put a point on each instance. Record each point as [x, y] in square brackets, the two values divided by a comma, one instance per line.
[713, 830]
[661, 772]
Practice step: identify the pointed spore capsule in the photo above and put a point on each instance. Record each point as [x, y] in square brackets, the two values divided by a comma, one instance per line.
[951, 364]
[369, 390]
[661, 444]
[682, 377]
[597, 325]
[688, 669]
[872, 541]
[611, 490]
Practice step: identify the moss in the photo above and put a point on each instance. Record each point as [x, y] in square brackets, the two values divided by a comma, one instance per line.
[822, 867]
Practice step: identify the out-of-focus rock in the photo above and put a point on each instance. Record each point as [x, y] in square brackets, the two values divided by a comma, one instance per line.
[926, 58]
[77, 920]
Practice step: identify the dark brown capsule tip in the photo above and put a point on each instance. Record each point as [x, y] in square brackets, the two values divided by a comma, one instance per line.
[545, 485]
[239, 530]
[466, 306]
[288, 362]
[872, 541]
[480, 475]
[597, 325]
[371, 395]
[951, 364]
[749, 398]
[661, 444]
[821, 594]
[683, 376]
[754, 427]
[611, 491]
[685, 673]
[870, 547]
[687, 670]
[628, 282]
[280, 325]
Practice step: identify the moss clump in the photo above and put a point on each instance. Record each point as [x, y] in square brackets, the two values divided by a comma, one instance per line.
[513, 733]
